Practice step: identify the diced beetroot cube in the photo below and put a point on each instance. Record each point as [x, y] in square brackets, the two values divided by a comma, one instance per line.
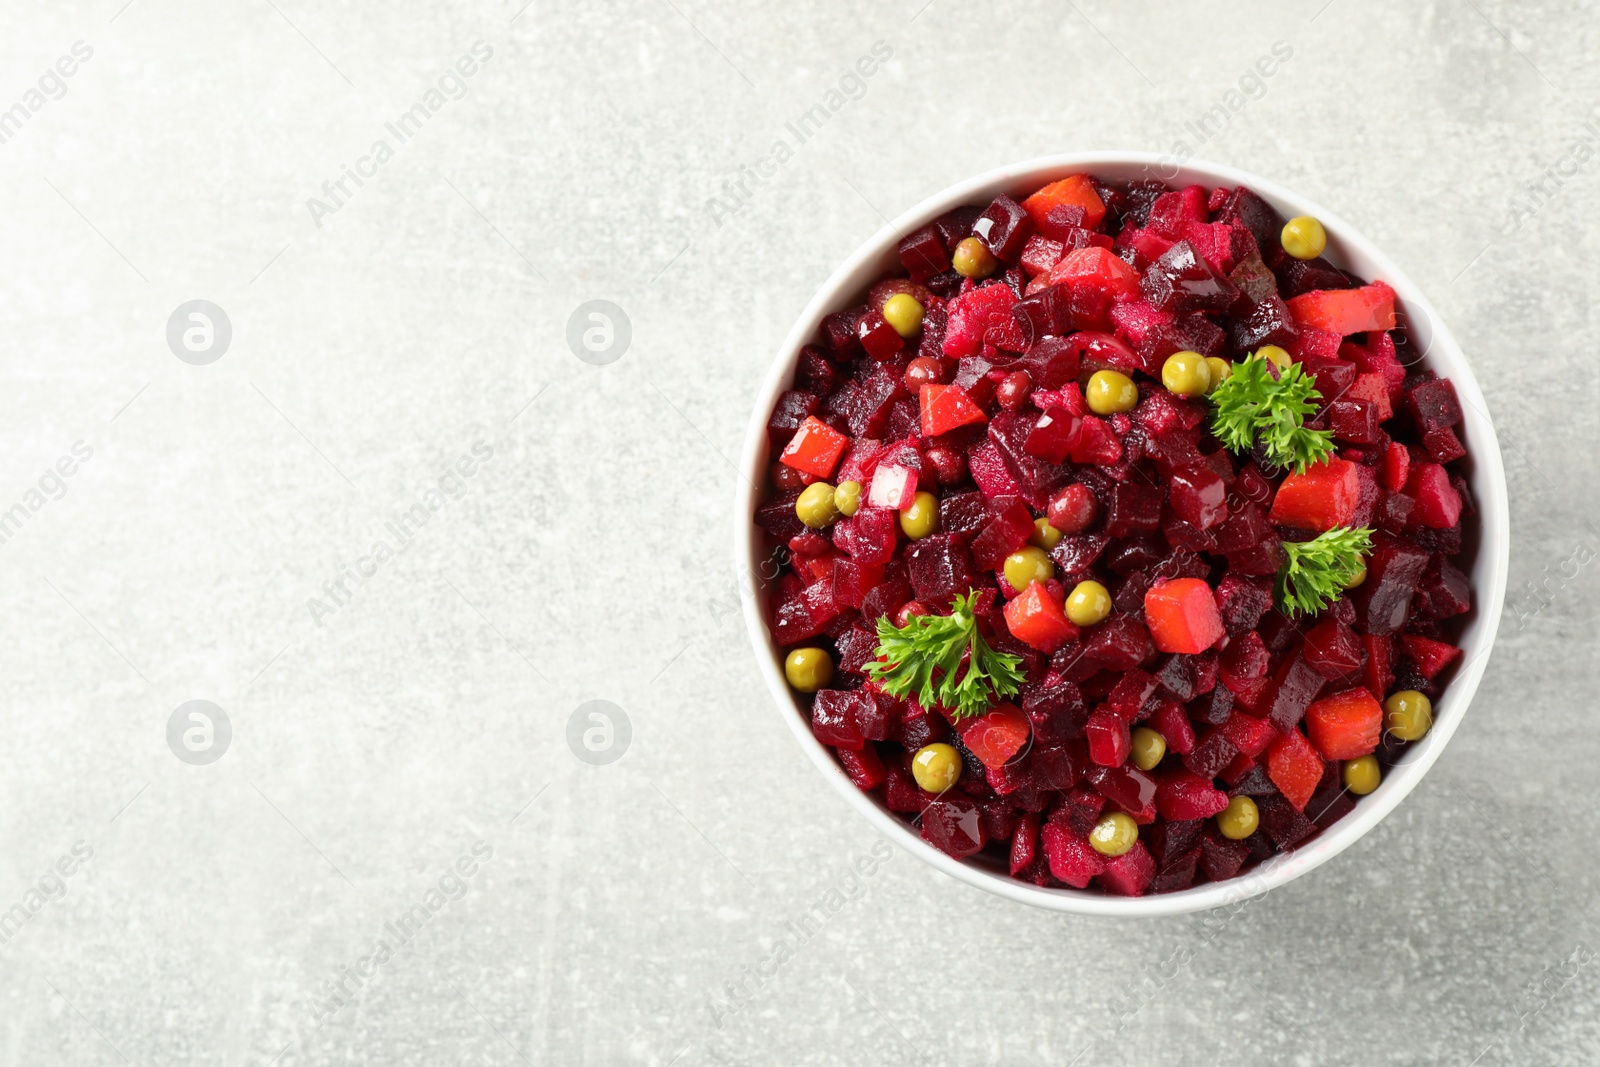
[1221, 858]
[1119, 643]
[1246, 658]
[1185, 795]
[1051, 364]
[902, 795]
[1433, 404]
[788, 415]
[923, 255]
[1295, 767]
[1130, 693]
[1181, 280]
[989, 470]
[1444, 592]
[833, 719]
[792, 622]
[1295, 685]
[1096, 444]
[938, 567]
[1136, 319]
[1002, 535]
[1383, 601]
[1109, 739]
[1248, 734]
[1024, 842]
[1241, 601]
[1008, 432]
[1373, 388]
[853, 580]
[1346, 311]
[963, 514]
[1345, 725]
[952, 825]
[1377, 672]
[1178, 873]
[868, 535]
[1133, 509]
[885, 599]
[1171, 212]
[874, 714]
[1004, 227]
[1170, 721]
[865, 768]
[1040, 253]
[1127, 787]
[1443, 445]
[1320, 498]
[1395, 469]
[1099, 268]
[1054, 435]
[973, 314]
[1212, 752]
[1129, 874]
[1182, 615]
[1037, 619]
[1333, 377]
[1283, 822]
[1332, 649]
[857, 647]
[1354, 420]
[1198, 496]
[1429, 655]
[1313, 343]
[1264, 322]
[1072, 859]
[877, 337]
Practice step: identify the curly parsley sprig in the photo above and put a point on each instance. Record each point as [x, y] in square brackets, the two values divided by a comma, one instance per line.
[1250, 403]
[1318, 570]
[922, 659]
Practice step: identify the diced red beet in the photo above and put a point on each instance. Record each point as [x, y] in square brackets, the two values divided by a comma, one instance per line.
[1053, 436]
[1109, 741]
[1119, 643]
[1178, 873]
[1004, 534]
[833, 719]
[869, 535]
[1294, 686]
[938, 567]
[1185, 795]
[1130, 693]
[1072, 859]
[1241, 601]
[1248, 734]
[1444, 591]
[1024, 842]
[1263, 322]
[1181, 280]
[1127, 787]
[1171, 723]
[1129, 874]
[1295, 767]
[1383, 601]
[1283, 822]
[1004, 227]
[1438, 505]
[1333, 650]
[1212, 752]
[1429, 655]
[1221, 858]
[865, 768]
[953, 826]
[923, 255]
[1133, 509]
[1433, 404]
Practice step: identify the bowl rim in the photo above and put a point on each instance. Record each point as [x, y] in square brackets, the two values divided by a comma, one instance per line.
[1442, 353]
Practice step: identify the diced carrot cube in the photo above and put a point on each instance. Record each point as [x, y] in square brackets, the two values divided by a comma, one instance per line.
[1075, 191]
[1345, 725]
[1182, 615]
[1039, 620]
[1322, 497]
[945, 407]
[1294, 767]
[815, 448]
[996, 737]
[1345, 311]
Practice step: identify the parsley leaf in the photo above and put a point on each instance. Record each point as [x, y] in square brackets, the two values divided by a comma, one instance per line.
[1251, 403]
[921, 659]
[1318, 570]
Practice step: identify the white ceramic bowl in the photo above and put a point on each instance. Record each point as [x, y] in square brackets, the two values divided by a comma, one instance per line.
[1346, 248]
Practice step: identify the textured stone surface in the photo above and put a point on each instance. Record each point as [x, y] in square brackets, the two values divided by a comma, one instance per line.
[587, 558]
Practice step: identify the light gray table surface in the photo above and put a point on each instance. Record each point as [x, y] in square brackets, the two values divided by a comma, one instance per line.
[381, 733]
